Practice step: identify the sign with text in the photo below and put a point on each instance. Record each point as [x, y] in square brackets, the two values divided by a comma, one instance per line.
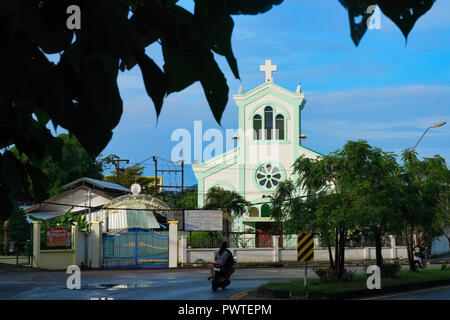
[58, 237]
[203, 220]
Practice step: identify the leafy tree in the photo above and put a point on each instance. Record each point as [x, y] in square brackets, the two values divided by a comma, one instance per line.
[375, 190]
[303, 213]
[134, 174]
[187, 199]
[75, 163]
[348, 190]
[435, 192]
[231, 203]
[18, 228]
[80, 92]
[423, 205]
[66, 220]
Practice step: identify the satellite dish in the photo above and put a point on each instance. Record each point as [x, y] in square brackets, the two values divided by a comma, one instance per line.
[135, 188]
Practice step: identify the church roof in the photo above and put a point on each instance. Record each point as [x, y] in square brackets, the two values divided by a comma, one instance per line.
[266, 88]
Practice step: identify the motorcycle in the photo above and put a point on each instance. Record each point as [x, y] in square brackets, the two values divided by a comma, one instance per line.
[219, 277]
[420, 258]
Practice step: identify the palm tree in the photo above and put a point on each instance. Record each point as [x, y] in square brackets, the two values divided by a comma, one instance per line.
[231, 203]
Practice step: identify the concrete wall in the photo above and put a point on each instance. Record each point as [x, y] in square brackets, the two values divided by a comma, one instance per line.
[86, 250]
[53, 259]
[249, 255]
[289, 255]
[57, 259]
[440, 245]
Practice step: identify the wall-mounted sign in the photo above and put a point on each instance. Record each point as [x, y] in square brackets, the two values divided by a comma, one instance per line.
[203, 220]
[58, 237]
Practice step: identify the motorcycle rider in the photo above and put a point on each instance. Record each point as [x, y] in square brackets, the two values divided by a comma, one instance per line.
[420, 252]
[224, 257]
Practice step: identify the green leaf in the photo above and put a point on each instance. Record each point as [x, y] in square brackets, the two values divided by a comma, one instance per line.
[214, 84]
[39, 180]
[249, 6]
[155, 80]
[100, 106]
[180, 70]
[185, 70]
[41, 116]
[217, 33]
[46, 25]
[12, 173]
[6, 207]
[7, 7]
[405, 13]
[358, 9]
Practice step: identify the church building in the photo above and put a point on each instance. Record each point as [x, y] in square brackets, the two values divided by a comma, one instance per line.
[269, 141]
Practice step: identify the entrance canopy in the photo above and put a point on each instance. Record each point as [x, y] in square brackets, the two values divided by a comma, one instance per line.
[136, 211]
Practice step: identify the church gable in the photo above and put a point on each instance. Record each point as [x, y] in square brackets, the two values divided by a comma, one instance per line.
[268, 144]
[269, 90]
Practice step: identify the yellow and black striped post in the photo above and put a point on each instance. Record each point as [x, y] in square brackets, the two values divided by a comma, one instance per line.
[305, 253]
[305, 247]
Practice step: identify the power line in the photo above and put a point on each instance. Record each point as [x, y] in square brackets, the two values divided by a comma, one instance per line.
[155, 160]
[229, 168]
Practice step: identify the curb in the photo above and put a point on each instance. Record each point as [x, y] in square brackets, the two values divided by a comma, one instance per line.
[263, 292]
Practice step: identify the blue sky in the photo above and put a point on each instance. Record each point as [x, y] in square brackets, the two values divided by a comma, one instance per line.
[387, 90]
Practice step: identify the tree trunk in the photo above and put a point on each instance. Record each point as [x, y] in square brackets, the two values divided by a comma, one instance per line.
[378, 249]
[340, 257]
[410, 247]
[330, 253]
[336, 249]
[428, 241]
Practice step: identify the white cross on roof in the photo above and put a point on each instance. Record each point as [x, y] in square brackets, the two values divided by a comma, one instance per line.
[268, 68]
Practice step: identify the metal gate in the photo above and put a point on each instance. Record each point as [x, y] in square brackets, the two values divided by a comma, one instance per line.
[135, 247]
[15, 245]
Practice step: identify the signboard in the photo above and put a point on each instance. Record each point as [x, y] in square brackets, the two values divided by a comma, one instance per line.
[203, 220]
[305, 247]
[58, 237]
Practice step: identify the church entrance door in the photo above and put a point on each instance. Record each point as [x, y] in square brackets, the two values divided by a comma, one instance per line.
[264, 233]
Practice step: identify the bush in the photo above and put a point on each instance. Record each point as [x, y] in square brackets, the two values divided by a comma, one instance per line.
[330, 275]
[322, 274]
[390, 270]
[444, 267]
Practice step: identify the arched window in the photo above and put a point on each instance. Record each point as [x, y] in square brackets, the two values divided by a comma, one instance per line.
[254, 212]
[265, 211]
[268, 122]
[257, 126]
[279, 126]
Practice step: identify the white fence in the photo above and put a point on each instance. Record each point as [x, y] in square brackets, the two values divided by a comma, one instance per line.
[275, 254]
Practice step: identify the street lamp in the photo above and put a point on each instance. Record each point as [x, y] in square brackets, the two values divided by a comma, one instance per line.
[436, 125]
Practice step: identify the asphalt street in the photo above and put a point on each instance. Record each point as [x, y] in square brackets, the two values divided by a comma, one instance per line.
[147, 284]
[159, 284]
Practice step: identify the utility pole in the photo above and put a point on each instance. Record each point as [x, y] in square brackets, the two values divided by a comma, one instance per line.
[162, 171]
[155, 160]
[182, 175]
[117, 165]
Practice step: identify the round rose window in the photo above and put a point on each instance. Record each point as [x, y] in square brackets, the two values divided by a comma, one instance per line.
[268, 176]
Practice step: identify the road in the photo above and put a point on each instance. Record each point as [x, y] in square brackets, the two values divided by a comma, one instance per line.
[157, 284]
[147, 284]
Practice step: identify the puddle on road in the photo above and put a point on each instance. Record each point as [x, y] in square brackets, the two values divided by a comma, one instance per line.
[117, 286]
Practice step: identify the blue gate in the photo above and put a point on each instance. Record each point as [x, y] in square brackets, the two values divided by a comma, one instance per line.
[135, 247]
